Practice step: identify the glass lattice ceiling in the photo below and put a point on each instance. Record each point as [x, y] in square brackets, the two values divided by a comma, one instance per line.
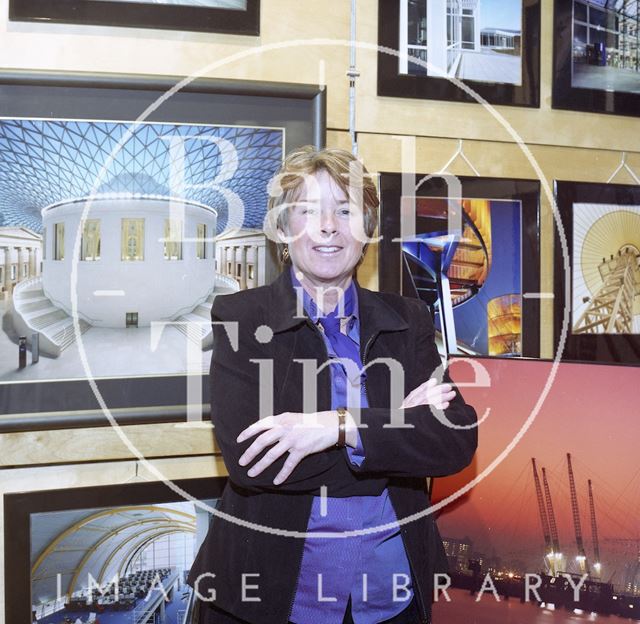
[48, 161]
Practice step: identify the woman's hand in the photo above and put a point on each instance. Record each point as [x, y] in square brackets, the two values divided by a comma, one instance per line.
[303, 434]
[430, 393]
[298, 434]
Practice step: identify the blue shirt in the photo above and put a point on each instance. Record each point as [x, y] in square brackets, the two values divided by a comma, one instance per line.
[362, 566]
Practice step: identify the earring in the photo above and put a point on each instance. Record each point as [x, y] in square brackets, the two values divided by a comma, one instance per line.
[285, 254]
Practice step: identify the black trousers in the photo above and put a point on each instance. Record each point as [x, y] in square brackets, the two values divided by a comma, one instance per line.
[207, 614]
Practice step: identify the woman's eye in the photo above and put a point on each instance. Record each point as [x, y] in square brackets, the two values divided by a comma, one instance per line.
[345, 211]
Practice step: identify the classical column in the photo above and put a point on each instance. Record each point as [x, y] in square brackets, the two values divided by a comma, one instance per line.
[7, 270]
[224, 258]
[257, 269]
[3, 282]
[19, 276]
[234, 260]
[32, 264]
[37, 259]
[243, 267]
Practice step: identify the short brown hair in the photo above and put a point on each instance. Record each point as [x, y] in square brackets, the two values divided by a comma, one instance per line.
[336, 162]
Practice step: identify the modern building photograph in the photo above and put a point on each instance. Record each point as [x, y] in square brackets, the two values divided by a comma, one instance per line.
[115, 565]
[478, 40]
[472, 281]
[133, 261]
[555, 505]
[606, 45]
[606, 269]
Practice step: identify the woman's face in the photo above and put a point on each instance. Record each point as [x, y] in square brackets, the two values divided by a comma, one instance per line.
[319, 231]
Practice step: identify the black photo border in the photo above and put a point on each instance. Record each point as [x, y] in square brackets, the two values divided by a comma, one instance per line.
[299, 109]
[566, 97]
[391, 83]
[19, 506]
[602, 349]
[140, 15]
[525, 191]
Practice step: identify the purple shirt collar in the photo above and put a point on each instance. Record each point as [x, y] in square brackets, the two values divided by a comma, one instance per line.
[350, 299]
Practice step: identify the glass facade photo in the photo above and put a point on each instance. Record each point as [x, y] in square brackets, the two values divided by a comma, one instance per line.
[467, 39]
[606, 50]
[499, 39]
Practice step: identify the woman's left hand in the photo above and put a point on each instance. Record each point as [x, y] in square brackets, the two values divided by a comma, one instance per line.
[298, 434]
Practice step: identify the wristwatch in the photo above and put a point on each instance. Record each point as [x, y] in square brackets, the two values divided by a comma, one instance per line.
[342, 414]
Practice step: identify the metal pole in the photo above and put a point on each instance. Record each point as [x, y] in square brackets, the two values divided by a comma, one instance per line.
[353, 74]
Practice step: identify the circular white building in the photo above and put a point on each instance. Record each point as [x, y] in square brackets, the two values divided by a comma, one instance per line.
[140, 258]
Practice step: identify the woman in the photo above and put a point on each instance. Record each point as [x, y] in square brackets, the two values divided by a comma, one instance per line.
[318, 449]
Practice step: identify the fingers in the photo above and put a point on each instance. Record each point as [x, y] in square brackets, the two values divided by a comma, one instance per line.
[299, 434]
[417, 395]
[261, 442]
[268, 458]
[441, 396]
[290, 463]
[430, 393]
[260, 425]
[274, 433]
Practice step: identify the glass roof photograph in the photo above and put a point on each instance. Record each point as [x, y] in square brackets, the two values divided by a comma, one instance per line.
[44, 162]
[50, 163]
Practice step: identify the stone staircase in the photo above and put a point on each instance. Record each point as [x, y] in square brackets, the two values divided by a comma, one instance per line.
[34, 312]
[196, 325]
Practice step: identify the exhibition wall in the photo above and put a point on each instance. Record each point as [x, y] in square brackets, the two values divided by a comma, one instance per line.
[307, 43]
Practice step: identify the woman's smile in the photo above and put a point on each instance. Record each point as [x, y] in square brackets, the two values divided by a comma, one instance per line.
[327, 250]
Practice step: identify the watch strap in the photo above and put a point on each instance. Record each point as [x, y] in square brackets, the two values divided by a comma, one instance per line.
[342, 429]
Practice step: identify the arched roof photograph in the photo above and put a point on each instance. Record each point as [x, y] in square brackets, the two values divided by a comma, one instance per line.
[79, 557]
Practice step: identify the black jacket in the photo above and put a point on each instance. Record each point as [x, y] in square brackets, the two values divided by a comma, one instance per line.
[391, 326]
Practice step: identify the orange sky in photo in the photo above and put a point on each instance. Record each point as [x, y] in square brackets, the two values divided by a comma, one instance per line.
[590, 411]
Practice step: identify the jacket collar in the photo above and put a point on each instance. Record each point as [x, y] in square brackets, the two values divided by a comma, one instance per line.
[376, 315]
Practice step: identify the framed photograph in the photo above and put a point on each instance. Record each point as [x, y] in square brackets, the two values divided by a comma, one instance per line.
[118, 229]
[518, 518]
[234, 17]
[481, 278]
[602, 227]
[67, 550]
[492, 46]
[597, 56]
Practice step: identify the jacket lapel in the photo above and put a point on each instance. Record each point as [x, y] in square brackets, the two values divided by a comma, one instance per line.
[376, 316]
[284, 311]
